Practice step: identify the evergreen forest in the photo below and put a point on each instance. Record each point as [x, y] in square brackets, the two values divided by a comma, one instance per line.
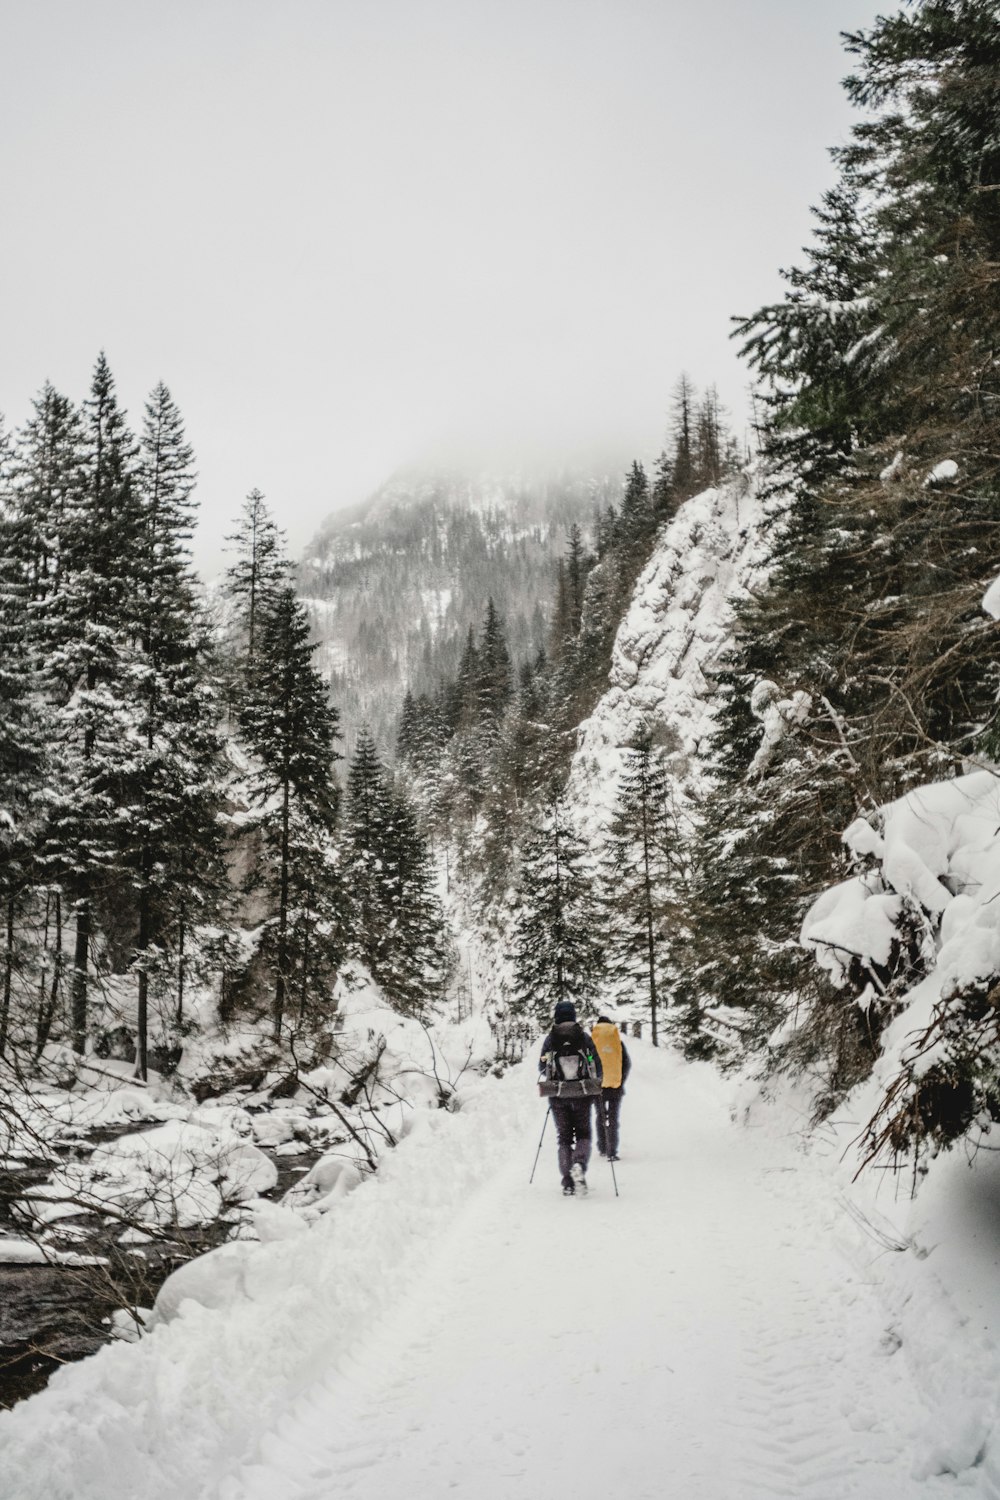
[188, 837]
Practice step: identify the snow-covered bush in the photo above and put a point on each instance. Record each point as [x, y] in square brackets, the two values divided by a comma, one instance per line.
[915, 937]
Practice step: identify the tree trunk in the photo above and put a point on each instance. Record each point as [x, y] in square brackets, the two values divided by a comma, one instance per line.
[142, 1011]
[651, 947]
[142, 1025]
[78, 989]
[559, 926]
[305, 969]
[652, 973]
[46, 1012]
[8, 977]
[279, 988]
[43, 970]
[81, 955]
[181, 961]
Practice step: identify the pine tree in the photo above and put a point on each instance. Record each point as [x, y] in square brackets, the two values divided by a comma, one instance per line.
[494, 673]
[174, 853]
[46, 476]
[561, 632]
[412, 963]
[260, 572]
[408, 732]
[92, 631]
[710, 440]
[556, 950]
[663, 496]
[397, 928]
[635, 528]
[683, 475]
[468, 684]
[811, 348]
[526, 754]
[23, 728]
[367, 818]
[290, 727]
[577, 565]
[640, 860]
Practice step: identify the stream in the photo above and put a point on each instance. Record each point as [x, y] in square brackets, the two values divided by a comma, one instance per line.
[51, 1315]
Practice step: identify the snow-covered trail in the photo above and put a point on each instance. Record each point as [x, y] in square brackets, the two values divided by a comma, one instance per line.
[699, 1336]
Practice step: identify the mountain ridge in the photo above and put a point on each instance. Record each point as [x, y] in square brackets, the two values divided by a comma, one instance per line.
[394, 585]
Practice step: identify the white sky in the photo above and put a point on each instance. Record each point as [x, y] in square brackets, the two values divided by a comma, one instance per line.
[349, 233]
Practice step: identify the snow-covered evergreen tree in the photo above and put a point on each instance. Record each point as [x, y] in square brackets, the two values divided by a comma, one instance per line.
[254, 581]
[556, 949]
[46, 476]
[93, 631]
[290, 728]
[173, 849]
[24, 728]
[640, 861]
[397, 928]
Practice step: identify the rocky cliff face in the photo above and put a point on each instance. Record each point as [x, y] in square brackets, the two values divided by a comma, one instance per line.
[669, 644]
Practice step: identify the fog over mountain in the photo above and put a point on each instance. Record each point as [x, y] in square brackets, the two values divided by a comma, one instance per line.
[394, 585]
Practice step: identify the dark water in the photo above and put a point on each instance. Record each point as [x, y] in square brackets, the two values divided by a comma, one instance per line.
[53, 1315]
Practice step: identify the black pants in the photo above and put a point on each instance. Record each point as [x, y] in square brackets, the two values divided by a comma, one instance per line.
[608, 1109]
[572, 1121]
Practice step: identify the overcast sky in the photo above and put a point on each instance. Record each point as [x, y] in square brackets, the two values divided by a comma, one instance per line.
[352, 233]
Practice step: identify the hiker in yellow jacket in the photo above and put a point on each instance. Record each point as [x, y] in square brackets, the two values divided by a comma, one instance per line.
[616, 1066]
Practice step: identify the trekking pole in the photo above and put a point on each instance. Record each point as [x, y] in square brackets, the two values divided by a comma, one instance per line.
[614, 1179]
[539, 1151]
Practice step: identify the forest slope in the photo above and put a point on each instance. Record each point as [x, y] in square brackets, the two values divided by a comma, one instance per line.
[394, 587]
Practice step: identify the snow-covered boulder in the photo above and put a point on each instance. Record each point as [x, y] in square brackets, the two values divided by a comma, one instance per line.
[328, 1180]
[942, 473]
[180, 1172]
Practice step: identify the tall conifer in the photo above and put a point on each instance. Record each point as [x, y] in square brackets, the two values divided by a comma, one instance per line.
[556, 949]
[290, 726]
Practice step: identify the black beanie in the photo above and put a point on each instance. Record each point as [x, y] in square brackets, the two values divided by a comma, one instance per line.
[564, 1011]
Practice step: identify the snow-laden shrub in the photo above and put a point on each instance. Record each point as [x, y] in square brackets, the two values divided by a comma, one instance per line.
[915, 937]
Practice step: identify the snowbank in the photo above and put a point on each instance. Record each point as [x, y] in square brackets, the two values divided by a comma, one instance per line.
[933, 1260]
[932, 870]
[249, 1326]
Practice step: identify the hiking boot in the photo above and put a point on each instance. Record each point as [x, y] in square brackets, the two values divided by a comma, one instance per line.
[568, 1190]
[576, 1172]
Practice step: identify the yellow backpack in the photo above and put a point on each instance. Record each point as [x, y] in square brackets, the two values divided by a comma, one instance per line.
[609, 1045]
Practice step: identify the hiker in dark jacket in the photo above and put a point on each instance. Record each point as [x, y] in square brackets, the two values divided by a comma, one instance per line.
[571, 1116]
[615, 1068]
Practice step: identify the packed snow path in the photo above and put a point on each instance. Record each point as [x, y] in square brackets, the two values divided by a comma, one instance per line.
[715, 1333]
[701, 1336]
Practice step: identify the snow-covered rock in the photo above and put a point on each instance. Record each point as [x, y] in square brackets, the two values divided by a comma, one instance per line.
[942, 473]
[991, 600]
[23, 1252]
[181, 1172]
[329, 1179]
